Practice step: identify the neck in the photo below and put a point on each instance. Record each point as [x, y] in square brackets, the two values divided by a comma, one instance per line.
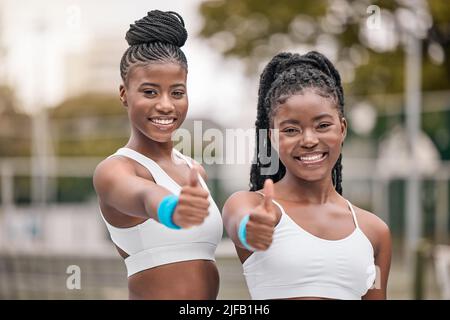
[311, 192]
[150, 148]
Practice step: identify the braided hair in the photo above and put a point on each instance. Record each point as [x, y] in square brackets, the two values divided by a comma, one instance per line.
[156, 37]
[285, 75]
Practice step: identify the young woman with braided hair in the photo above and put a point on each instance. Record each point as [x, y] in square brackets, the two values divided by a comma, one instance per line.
[295, 234]
[153, 199]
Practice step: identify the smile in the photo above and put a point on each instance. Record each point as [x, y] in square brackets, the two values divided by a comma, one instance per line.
[314, 158]
[163, 123]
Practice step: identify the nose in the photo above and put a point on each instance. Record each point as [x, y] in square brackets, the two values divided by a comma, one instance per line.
[309, 139]
[165, 104]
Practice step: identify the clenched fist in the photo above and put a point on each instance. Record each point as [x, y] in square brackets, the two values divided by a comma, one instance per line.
[262, 220]
[193, 203]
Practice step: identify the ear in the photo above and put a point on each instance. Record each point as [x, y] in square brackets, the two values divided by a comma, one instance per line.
[123, 95]
[343, 128]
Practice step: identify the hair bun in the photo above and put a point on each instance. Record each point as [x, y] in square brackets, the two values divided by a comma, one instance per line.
[158, 26]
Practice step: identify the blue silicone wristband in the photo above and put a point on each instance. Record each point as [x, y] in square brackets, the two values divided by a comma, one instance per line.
[242, 232]
[166, 209]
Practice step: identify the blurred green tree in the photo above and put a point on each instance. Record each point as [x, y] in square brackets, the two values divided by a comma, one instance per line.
[14, 126]
[370, 57]
[89, 125]
[255, 30]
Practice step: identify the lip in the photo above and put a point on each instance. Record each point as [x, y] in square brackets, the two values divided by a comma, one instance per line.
[314, 162]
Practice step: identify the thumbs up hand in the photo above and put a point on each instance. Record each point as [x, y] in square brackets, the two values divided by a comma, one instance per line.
[193, 203]
[262, 220]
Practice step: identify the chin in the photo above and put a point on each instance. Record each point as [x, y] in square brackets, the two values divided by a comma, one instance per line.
[161, 138]
[312, 179]
[312, 176]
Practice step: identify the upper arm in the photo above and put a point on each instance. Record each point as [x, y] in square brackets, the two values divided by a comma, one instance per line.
[117, 185]
[383, 252]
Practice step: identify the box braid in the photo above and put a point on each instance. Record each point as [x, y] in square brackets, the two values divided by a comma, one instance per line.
[285, 75]
[154, 38]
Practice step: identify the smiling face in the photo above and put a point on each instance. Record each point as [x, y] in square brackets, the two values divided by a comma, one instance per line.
[156, 98]
[311, 132]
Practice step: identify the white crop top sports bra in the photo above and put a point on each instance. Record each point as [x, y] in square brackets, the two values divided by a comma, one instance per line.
[299, 264]
[151, 244]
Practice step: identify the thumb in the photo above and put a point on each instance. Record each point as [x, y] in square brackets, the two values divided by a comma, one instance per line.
[193, 177]
[268, 194]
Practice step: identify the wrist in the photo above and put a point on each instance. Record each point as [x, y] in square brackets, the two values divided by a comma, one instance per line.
[242, 232]
[166, 209]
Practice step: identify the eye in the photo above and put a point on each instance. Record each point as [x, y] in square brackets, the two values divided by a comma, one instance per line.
[150, 92]
[324, 125]
[290, 131]
[178, 94]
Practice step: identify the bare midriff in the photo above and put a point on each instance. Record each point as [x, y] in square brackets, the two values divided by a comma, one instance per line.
[187, 280]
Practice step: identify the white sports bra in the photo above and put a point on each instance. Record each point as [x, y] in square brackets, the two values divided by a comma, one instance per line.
[151, 244]
[299, 264]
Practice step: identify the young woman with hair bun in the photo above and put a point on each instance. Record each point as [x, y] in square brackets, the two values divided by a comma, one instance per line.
[153, 199]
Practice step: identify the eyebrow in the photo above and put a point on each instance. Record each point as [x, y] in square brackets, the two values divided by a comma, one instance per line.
[289, 121]
[159, 86]
[322, 115]
[316, 118]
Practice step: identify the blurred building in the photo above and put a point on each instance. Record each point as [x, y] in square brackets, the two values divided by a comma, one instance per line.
[96, 69]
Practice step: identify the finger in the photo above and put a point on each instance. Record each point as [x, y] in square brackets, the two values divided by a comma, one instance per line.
[193, 177]
[257, 239]
[259, 231]
[193, 213]
[261, 238]
[265, 239]
[263, 219]
[262, 230]
[262, 244]
[195, 191]
[268, 195]
[194, 202]
[194, 221]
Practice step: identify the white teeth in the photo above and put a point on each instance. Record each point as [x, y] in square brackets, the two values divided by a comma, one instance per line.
[311, 158]
[163, 121]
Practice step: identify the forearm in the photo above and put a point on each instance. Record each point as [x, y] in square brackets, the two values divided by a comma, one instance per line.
[150, 202]
[138, 200]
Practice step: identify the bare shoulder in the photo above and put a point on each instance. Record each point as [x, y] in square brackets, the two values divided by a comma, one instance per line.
[373, 226]
[242, 199]
[200, 168]
[113, 163]
[369, 220]
[109, 170]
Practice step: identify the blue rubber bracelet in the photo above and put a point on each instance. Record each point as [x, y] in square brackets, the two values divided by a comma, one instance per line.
[242, 232]
[166, 209]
